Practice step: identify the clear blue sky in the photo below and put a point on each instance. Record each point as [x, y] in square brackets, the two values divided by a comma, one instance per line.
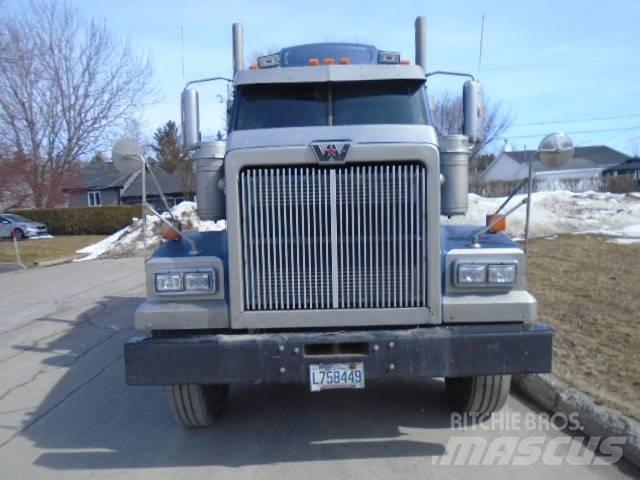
[546, 61]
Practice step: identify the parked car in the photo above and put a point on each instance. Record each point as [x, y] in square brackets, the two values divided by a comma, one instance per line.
[12, 224]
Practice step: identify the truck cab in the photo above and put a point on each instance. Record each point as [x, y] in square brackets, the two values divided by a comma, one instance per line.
[334, 267]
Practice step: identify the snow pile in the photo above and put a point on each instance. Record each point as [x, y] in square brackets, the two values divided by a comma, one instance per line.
[129, 240]
[552, 213]
[561, 212]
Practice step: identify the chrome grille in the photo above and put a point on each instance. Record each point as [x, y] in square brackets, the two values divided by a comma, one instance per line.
[320, 238]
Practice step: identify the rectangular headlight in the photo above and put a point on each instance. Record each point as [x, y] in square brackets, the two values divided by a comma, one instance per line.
[199, 281]
[168, 282]
[469, 274]
[269, 61]
[502, 274]
[388, 57]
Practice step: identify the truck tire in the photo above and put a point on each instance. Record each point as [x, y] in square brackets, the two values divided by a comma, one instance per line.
[196, 405]
[479, 396]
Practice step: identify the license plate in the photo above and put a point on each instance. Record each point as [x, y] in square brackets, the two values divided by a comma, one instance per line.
[324, 376]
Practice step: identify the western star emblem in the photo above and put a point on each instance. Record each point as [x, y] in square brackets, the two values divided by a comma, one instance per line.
[331, 151]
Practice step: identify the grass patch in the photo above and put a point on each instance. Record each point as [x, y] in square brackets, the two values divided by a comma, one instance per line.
[34, 251]
[589, 290]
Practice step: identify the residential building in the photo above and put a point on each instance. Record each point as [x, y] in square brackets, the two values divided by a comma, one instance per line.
[103, 185]
[587, 162]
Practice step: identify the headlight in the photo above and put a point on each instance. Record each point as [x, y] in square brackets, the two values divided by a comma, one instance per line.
[502, 274]
[486, 274]
[471, 274]
[199, 281]
[168, 282]
[186, 282]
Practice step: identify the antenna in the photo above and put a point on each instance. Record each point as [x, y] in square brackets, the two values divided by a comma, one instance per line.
[481, 40]
[182, 49]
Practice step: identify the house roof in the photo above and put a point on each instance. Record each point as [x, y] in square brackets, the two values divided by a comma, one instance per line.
[169, 182]
[630, 164]
[598, 156]
[101, 176]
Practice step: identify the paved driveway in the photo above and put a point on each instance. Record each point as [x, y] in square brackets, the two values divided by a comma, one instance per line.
[65, 411]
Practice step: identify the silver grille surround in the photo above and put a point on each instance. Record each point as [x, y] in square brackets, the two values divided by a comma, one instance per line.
[318, 238]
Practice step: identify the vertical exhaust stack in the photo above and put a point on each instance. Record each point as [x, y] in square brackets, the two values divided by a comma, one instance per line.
[421, 42]
[190, 118]
[238, 47]
[473, 108]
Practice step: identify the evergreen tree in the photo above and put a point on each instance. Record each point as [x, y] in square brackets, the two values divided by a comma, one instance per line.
[167, 148]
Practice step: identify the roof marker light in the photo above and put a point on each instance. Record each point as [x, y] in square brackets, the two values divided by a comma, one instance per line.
[329, 61]
[388, 57]
[345, 61]
[405, 62]
[269, 61]
[253, 67]
[314, 61]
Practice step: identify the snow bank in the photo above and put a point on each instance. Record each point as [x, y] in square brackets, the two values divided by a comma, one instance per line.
[129, 240]
[552, 213]
[561, 212]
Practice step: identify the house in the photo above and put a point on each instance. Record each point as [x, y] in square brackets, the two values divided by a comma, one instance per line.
[171, 185]
[587, 162]
[100, 184]
[103, 185]
[630, 167]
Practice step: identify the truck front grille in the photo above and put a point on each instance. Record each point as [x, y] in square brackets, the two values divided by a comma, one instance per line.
[325, 238]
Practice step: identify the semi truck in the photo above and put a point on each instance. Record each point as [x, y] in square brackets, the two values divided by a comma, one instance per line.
[335, 268]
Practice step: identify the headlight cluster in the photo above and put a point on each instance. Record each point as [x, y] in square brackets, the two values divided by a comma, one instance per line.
[186, 282]
[491, 274]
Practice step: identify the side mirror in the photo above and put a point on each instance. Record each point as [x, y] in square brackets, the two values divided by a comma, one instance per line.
[127, 156]
[555, 150]
[473, 111]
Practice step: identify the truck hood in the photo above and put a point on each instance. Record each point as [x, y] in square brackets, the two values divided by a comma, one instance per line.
[302, 136]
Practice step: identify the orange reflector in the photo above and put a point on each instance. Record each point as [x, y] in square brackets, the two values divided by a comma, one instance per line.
[329, 61]
[405, 62]
[500, 225]
[254, 67]
[345, 61]
[314, 61]
[170, 233]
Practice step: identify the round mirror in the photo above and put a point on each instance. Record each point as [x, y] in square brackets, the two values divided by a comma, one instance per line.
[127, 156]
[555, 150]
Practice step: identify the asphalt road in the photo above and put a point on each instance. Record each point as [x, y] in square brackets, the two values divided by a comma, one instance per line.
[65, 411]
[9, 267]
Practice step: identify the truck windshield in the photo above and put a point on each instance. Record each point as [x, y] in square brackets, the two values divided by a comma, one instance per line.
[352, 103]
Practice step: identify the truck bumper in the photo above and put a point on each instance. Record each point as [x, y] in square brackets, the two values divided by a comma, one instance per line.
[277, 357]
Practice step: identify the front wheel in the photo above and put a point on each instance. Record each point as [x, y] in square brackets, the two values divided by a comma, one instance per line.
[18, 234]
[479, 396]
[196, 405]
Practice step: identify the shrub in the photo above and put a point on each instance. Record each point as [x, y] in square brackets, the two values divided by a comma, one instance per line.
[83, 220]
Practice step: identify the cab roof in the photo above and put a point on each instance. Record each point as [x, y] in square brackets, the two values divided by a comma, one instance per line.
[329, 73]
[329, 62]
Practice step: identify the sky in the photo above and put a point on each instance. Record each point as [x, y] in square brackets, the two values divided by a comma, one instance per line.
[563, 65]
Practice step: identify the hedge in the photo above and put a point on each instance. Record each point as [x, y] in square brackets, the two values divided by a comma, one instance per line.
[83, 220]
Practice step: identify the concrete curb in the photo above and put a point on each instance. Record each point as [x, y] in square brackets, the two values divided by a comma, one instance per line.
[556, 396]
[56, 261]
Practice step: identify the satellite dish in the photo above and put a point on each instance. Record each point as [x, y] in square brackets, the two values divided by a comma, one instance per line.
[555, 150]
[127, 156]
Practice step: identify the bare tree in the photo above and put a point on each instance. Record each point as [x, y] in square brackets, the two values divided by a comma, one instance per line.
[67, 88]
[448, 117]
